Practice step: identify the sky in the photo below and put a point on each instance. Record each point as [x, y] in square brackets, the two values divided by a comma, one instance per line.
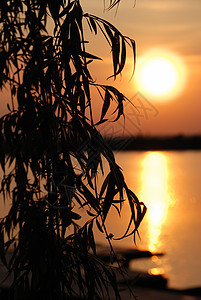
[170, 29]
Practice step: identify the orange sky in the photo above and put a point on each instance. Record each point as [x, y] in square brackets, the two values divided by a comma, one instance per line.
[171, 26]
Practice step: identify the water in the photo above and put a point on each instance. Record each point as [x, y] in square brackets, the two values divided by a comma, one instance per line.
[169, 184]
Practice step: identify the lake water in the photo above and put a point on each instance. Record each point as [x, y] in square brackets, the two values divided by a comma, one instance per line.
[168, 182]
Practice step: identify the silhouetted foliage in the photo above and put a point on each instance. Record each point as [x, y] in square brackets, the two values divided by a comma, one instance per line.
[52, 153]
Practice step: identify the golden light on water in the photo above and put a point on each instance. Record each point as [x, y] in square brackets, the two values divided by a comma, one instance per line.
[155, 194]
[156, 271]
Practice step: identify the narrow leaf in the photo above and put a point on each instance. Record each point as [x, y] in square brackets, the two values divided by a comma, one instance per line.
[93, 24]
[106, 104]
[99, 226]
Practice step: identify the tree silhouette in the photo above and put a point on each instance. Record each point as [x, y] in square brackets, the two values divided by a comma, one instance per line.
[51, 151]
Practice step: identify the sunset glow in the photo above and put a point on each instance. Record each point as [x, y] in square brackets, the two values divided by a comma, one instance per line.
[155, 194]
[160, 75]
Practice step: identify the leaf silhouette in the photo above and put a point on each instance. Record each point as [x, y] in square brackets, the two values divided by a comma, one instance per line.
[106, 104]
[52, 154]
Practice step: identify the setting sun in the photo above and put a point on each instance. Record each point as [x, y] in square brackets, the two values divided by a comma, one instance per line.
[160, 76]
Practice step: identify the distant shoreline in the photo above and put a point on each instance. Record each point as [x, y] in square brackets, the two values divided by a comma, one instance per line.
[139, 143]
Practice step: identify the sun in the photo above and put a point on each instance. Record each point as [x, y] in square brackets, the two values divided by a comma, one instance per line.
[160, 76]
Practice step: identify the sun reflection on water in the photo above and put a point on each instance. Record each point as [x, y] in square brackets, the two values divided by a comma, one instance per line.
[155, 194]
